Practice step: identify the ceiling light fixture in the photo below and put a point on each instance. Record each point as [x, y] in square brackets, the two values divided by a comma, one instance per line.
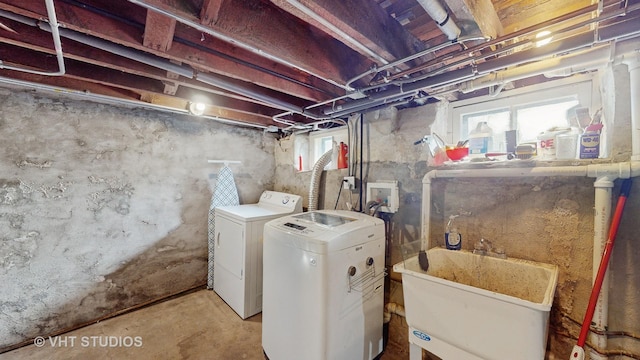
[196, 108]
[545, 38]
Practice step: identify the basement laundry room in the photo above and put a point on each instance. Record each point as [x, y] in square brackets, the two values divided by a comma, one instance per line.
[319, 180]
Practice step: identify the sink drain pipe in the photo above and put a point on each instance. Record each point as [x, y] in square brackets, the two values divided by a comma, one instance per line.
[393, 308]
[578, 349]
[604, 175]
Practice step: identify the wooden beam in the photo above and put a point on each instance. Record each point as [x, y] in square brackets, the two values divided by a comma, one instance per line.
[170, 87]
[86, 76]
[517, 15]
[209, 55]
[264, 28]
[33, 39]
[210, 11]
[476, 17]
[158, 31]
[362, 25]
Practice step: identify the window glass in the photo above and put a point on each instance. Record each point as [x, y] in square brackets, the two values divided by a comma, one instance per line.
[535, 119]
[322, 141]
[498, 121]
[523, 114]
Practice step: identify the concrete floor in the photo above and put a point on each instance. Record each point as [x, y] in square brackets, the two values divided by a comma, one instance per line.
[198, 325]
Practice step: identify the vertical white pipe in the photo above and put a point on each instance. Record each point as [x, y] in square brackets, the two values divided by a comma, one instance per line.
[437, 12]
[602, 216]
[426, 210]
[634, 73]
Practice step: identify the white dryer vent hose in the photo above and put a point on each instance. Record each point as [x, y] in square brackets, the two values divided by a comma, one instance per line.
[316, 173]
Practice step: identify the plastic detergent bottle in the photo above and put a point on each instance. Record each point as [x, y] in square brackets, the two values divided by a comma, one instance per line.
[480, 140]
[452, 238]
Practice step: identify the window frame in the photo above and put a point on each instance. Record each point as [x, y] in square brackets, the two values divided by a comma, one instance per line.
[338, 135]
[582, 87]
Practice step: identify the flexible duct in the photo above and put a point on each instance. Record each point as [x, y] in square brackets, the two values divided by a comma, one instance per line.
[316, 173]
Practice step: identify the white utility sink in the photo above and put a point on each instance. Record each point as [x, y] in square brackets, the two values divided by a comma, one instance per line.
[476, 307]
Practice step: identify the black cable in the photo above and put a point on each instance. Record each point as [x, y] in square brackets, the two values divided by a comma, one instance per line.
[339, 192]
[361, 160]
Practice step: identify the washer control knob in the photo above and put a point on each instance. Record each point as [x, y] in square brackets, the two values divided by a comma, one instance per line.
[369, 261]
[352, 270]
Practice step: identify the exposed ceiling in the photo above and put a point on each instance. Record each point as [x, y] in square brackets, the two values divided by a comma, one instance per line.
[289, 63]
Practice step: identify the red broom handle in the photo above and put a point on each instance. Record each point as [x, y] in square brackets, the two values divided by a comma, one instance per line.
[597, 285]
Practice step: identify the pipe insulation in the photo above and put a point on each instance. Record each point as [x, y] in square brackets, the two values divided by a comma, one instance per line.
[441, 17]
[316, 173]
[602, 215]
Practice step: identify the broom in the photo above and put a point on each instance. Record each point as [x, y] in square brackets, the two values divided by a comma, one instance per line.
[578, 350]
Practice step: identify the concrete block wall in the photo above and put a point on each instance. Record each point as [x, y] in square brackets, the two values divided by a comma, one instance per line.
[105, 208]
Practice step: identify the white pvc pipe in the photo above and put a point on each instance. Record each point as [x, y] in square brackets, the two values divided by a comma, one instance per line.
[486, 173]
[393, 308]
[441, 17]
[634, 74]
[605, 175]
[53, 22]
[587, 60]
[602, 218]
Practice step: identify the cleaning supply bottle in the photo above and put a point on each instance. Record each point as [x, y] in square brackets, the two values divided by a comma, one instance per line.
[480, 140]
[452, 238]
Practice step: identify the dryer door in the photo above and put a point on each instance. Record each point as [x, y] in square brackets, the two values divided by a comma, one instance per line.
[229, 246]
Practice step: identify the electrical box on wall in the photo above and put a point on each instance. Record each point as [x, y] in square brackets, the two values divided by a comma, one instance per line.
[385, 194]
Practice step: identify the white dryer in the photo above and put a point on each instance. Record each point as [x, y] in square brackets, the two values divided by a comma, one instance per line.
[237, 277]
[323, 286]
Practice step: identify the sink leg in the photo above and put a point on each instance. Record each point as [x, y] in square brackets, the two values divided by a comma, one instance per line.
[415, 352]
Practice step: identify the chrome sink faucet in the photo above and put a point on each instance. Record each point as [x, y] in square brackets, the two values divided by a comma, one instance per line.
[485, 247]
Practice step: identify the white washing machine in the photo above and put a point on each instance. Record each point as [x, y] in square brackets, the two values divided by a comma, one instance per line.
[323, 278]
[237, 277]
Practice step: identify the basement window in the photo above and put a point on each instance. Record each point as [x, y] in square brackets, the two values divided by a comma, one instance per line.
[322, 141]
[529, 111]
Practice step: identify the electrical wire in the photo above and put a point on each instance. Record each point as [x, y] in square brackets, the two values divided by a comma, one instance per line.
[361, 160]
[609, 333]
[603, 352]
[338, 198]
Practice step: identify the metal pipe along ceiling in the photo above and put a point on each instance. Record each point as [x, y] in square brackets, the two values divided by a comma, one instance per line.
[183, 70]
[582, 41]
[219, 36]
[53, 22]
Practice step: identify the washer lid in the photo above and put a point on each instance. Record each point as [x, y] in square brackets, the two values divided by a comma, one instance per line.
[252, 212]
[324, 231]
[324, 219]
